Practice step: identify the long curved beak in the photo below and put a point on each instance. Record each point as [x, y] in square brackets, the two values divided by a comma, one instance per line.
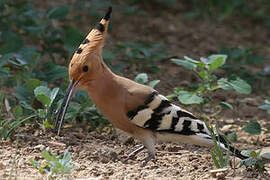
[62, 111]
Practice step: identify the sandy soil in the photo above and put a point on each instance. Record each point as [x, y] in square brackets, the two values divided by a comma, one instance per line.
[99, 155]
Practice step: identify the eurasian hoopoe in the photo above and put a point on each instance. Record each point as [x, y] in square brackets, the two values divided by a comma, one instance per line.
[135, 108]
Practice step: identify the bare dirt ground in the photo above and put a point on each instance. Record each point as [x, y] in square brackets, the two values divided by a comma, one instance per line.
[98, 155]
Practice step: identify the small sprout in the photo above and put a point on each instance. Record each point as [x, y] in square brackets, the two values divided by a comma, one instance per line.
[54, 166]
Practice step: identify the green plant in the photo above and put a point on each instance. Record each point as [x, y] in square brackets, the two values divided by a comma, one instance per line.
[54, 166]
[256, 161]
[144, 56]
[266, 106]
[31, 49]
[142, 78]
[217, 153]
[46, 96]
[224, 9]
[239, 60]
[253, 128]
[204, 70]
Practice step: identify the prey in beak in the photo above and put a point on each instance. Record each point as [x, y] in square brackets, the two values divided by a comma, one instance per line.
[63, 109]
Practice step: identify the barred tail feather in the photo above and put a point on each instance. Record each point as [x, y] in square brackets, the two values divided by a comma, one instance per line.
[200, 139]
[224, 144]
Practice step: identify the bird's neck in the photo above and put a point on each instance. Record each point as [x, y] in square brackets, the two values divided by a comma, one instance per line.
[107, 94]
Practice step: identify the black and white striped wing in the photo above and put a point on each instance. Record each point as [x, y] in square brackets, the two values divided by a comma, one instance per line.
[159, 114]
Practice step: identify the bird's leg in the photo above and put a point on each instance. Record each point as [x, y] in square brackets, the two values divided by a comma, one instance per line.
[147, 159]
[134, 153]
[149, 143]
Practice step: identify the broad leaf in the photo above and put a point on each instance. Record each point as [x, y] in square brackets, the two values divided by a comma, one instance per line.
[32, 84]
[226, 105]
[59, 12]
[266, 106]
[10, 42]
[153, 83]
[253, 128]
[237, 84]
[241, 86]
[216, 61]
[186, 97]
[266, 155]
[42, 90]
[72, 38]
[141, 78]
[186, 64]
[42, 94]
[45, 100]
[224, 84]
[18, 111]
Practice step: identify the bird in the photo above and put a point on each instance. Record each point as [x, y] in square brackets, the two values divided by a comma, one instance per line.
[137, 109]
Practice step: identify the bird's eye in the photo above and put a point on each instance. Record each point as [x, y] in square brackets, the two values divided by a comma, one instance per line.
[85, 68]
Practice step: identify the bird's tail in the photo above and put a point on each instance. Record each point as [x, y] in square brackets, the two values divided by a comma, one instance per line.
[225, 144]
[209, 138]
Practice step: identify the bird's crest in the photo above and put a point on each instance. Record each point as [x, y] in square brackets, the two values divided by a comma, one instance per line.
[95, 39]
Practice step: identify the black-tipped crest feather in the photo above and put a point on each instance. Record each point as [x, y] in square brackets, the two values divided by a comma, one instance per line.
[108, 13]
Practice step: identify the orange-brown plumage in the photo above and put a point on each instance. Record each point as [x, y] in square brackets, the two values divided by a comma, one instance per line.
[129, 106]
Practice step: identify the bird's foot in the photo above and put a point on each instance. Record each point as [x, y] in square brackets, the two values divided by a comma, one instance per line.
[133, 154]
[147, 159]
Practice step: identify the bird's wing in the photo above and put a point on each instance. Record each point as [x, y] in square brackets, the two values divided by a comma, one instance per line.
[159, 114]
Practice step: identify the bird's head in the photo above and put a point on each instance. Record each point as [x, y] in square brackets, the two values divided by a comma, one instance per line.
[84, 65]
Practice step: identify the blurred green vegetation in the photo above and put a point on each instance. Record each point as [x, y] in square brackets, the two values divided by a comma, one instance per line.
[37, 39]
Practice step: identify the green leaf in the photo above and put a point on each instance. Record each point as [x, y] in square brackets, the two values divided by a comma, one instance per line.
[223, 83]
[4, 58]
[26, 105]
[186, 97]
[266, 155]
[41, 113]
[191, 60]
[226, 105]
[141, 78]
[237, 84]
[47, 124]
[214, 158]
[152, 84]
[59, 12]
[18, 111]
[241, 86]
[245, 153]
[54, 93]
[42, 90]
[42, 93]
[216, 61]
[203, 74]
[72, 38]
[186, 64]
[32, 83]
[34, 163]
[10, 42]
[266, 106]
[17, 123]
[249, 162]
[45, 100]
[48, 156]
[253, 154]
[253, 128]
[53, 72]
